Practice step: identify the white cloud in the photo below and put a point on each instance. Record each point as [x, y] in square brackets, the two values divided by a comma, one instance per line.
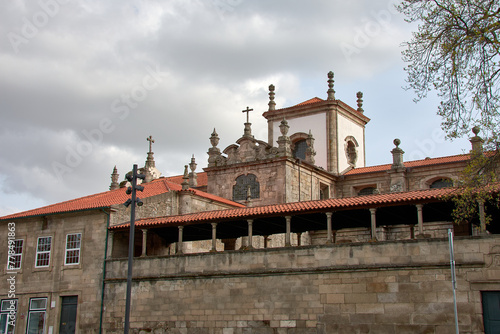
[214, 60]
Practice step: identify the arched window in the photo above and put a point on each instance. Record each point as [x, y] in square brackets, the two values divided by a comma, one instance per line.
[243, 183]
[441, 183]
[351, 152]
[299, 149]
[367, 191]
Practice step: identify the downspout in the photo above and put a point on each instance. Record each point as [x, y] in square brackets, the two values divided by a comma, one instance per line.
[104, 270]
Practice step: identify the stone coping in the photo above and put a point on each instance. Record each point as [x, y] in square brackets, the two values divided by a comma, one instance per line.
[422, 253]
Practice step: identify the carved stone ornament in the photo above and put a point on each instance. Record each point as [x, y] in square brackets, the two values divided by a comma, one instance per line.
[284, 127]
[214, 139]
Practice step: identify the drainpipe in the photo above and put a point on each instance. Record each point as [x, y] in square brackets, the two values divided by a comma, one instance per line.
[104, 270]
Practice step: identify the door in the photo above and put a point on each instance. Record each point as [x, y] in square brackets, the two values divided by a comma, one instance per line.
[67, 324]
[491, 312]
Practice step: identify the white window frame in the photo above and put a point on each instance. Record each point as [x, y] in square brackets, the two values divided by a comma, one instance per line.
[33, 310]
[69, 250]
[15, 255]
[40, 254]
[5, 310]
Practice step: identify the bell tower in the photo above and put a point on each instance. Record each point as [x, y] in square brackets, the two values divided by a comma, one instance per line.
[338, 129]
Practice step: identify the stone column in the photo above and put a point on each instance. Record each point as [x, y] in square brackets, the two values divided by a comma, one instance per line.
[482, 218]
[373, 223]
[250, 233]
[420, 220]
[144, 241]
[288, 242]
[329, 227]
[266, 241]
[214, 237]
[179, 240]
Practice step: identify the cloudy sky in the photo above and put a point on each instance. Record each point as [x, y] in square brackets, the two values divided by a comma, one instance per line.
[84, 83]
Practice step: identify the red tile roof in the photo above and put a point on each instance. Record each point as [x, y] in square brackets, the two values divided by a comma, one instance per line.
[310, 101]
[415, 163]
[202, 179]
[428, 195]
[317, 100]
[114, 197]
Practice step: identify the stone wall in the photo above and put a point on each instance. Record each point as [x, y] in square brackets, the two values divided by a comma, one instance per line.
[416, 178]
[57, 280]
[165, 204]
[270, 176]
[377, 287]
[154, 206]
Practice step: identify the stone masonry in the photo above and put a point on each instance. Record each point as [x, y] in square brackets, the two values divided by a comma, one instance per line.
[386, 287]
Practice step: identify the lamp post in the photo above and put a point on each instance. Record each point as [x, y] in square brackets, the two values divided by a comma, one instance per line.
[134, 200]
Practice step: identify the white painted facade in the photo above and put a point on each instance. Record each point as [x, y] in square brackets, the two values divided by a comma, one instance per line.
[347, 128]
[318, 126]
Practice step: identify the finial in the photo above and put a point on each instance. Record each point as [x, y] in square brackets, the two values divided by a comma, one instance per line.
[151, 141]
[475, 130]
[359, 95]
[476, 141]
[397, 155]
[247, 110]
[214, 139]
[247, 132]
[284, 127]
[193, 178]
[272, 104]
[114, 180]
[150, 161]
[331, 92]
[310, 152]
[185, 178]
[193, 164]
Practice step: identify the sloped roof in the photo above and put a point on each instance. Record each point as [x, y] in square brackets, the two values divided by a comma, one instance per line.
[114, 197]
[334, 204]
[310, 101]
[319, 101]
[202, 179]
[414, 163]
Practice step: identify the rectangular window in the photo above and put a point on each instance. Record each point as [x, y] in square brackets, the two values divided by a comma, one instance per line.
[8, 316]
[36, 316]
[15, 254]
[43, 252]
[73, 244]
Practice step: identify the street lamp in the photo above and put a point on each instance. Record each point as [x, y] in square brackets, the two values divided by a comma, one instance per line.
[134, 200]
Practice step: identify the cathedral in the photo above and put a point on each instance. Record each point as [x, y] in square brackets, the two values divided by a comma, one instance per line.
[287, 234]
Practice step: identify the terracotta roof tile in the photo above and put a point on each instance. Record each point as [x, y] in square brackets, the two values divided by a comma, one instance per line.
[415, 163]
[202, 179]
[310, 101]
[114, 197]
[317, 100]
[297, 208]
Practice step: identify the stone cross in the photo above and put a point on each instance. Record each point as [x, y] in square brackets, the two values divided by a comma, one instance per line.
[151, 141]
[247, 110]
